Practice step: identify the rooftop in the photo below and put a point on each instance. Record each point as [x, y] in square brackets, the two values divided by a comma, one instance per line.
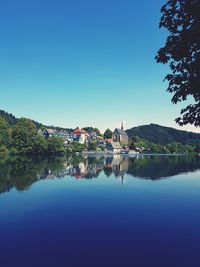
[120, 131]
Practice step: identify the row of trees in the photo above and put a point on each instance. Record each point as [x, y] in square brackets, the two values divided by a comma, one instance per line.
[107, 134]
[171, 148]
[23, 138]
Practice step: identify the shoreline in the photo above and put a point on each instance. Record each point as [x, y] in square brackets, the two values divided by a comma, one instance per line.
[94, 153]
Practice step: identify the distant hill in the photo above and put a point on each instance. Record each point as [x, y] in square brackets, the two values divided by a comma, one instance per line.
[154, 133]
[163, 135]
[12, 120]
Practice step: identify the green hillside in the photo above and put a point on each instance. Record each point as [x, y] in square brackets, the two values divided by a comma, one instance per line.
[8, 117]
[163, 135]
[153, 133]
[12, 120]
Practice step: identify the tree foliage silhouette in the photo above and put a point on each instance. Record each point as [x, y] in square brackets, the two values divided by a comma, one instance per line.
[182, 52]
[107, 134]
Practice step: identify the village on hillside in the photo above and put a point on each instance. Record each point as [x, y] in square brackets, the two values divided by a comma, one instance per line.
[25, 136]
[94, 141]
[89, 140]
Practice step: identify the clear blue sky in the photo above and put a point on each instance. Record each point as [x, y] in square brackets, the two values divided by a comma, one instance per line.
[88, 62]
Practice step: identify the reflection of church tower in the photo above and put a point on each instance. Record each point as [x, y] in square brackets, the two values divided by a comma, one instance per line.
[120, 167]
[122, 179]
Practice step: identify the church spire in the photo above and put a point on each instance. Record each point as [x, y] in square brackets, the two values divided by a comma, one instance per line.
[122, 125]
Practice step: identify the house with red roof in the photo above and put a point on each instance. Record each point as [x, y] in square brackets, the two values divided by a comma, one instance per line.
[80, 135]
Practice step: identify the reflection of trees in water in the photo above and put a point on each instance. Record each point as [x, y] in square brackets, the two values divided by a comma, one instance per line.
[155, 167]
[21, 172]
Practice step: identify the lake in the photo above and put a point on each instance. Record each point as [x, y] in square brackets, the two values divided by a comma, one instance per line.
[100, 211]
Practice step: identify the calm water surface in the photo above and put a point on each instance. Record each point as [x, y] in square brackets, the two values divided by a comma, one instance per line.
[100, 211]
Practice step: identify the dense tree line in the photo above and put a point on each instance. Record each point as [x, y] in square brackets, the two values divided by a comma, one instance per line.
[145, 146]
[91, 129]
[23, 138]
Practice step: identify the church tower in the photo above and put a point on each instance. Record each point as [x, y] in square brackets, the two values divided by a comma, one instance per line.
[119, 135]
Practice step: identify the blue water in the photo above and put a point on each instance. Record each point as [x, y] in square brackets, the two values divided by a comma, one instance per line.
[143, 211]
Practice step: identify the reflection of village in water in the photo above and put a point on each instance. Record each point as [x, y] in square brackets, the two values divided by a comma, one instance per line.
[91, 167]
[146, 167]
[21, 173]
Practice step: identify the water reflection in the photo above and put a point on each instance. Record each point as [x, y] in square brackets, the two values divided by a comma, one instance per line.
[21, 173]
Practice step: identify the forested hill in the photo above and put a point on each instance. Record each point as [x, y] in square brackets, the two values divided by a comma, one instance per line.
[163, 135]
[154, 133]
[12, 120]
[8, 117]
